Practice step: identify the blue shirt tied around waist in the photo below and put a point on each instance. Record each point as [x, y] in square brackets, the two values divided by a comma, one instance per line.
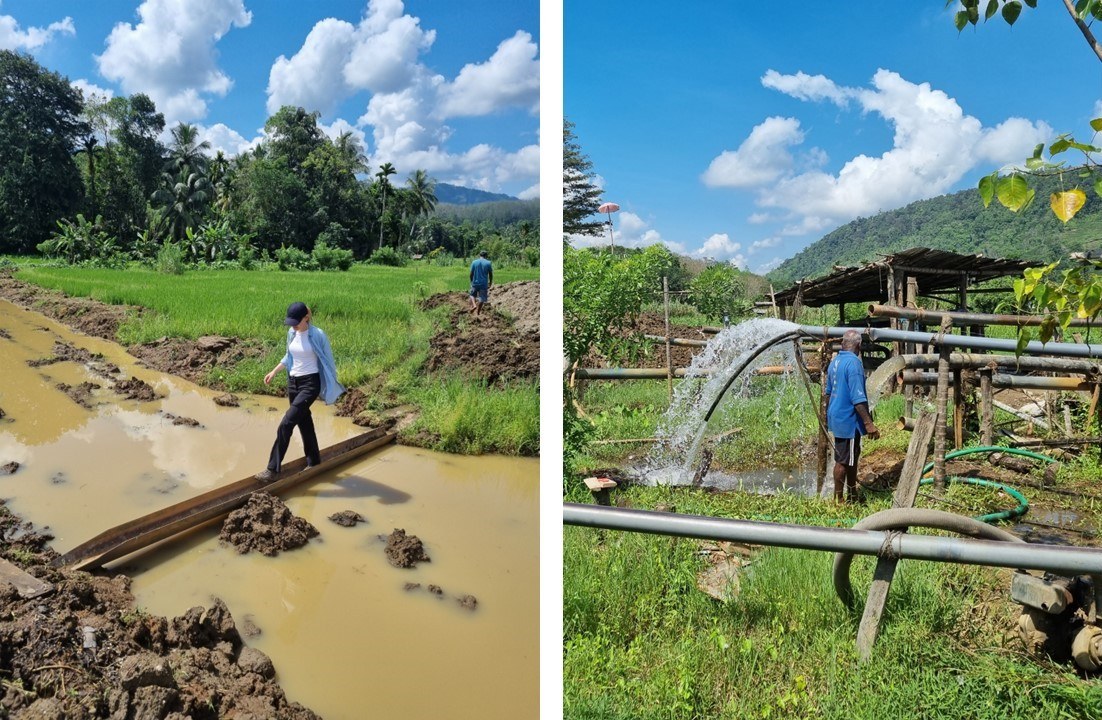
[481, 270]
[845, 384]
[327, 368]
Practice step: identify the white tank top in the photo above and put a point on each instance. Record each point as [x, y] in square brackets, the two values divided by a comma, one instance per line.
[304, 361]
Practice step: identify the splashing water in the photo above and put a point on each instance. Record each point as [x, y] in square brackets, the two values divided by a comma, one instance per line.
[681, 431]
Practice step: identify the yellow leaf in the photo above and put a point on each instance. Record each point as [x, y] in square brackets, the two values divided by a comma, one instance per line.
[1067, 203]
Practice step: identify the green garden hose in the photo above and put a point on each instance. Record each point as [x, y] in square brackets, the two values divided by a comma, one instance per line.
[1023, 503]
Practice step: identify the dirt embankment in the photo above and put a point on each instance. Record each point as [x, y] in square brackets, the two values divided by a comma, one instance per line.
[500, 343]
[86, 650]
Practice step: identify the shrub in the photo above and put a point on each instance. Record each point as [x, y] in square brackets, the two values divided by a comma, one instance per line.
[79, 241]
[327, 257]
[170, 259]
[388, 256]
[291, 258]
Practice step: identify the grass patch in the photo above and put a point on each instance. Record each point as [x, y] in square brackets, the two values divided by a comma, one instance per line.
[371, 314]
[641, 641]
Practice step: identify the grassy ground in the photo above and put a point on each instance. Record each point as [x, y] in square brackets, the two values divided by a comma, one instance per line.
[641, 641]
[379, 336]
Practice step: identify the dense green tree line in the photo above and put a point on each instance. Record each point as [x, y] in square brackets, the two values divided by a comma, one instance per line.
[957, 222]
[90, 179]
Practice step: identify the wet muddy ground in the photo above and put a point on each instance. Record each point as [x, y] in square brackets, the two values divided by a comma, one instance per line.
[333, 616]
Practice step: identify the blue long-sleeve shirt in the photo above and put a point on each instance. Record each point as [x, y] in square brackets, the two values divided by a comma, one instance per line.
[327, 367]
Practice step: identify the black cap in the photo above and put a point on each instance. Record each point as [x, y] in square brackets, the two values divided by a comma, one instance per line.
[296, 311]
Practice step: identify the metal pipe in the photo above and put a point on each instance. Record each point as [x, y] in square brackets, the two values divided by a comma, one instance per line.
[931, 317]
[1001, 380]
[963, 341]
[629, 373]
[1025, 362]
[1053, 558]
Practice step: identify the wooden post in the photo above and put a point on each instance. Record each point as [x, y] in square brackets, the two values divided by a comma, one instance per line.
[910, 300]
[942, 402]
[987, 412]
[904, 497]
[841, 314]
[669, 355]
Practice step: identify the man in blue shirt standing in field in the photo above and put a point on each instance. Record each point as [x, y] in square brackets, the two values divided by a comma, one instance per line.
[848, 415]
[482, 277]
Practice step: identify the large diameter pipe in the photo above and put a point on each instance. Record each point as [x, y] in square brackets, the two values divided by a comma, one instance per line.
[933, 317]
[963, 341]
[1029, 363]
[1000, 380]
[1059, 559]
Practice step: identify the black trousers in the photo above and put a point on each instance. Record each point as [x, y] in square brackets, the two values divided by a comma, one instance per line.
[301, 392]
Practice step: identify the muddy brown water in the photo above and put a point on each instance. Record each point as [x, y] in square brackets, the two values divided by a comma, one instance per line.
[347, 637]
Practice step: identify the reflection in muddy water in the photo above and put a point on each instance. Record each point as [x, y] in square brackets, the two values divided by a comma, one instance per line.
[346, 636]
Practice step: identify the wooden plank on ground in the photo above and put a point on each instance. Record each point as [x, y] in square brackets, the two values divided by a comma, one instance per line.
[904, 497]
[27, 585]
[210, 506]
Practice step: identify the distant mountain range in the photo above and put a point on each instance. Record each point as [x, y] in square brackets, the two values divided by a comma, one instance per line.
[959, 223]
[458, 195]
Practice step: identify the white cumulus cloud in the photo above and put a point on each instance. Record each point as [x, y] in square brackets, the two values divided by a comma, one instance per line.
[170, 53]
[935, 144]
[721, 247]
[761, 158]
[511, 77]
[13, 37]
[313, 78]
[89, 90]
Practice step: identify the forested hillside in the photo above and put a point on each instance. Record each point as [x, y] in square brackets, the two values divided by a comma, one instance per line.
[957, 222]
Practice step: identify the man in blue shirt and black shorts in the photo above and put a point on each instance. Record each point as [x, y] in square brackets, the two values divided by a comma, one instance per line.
[482, 277]
[848, 415]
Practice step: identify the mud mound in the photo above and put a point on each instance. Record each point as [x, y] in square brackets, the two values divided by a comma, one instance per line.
[80, 394]
[265, 524]
[86, 651]
[467, 602]
[65, 352]
[195, 360]
[347, 518]
[227, 400]
[491, 345]
[135, 389]
[520, 301]
[404, 551]
[89, 316]
[9, 468]
[181, 420]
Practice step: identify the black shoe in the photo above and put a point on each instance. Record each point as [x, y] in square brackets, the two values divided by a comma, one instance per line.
[312, 463]
[266, 476]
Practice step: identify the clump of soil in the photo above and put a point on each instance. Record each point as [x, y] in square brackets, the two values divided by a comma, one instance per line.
[265, 524]
[80, 394]
[410, 586]
[404, 551]
[180, 420]
[467, 602]
[5, 334]
[9, 468]
[64, 352]
[86, 651]
[227, 400]
[490, 345]
[347, 518]
[437, 591]
[135, 389]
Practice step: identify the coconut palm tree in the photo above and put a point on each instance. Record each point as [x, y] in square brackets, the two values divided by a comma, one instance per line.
[186, 155]
[385, 171]
[183, 202]
[421, 190]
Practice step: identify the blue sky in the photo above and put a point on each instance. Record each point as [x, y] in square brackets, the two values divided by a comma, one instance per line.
[745, 131]
[449, 87]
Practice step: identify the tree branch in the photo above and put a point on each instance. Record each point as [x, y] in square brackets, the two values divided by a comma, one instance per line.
[1084, 29]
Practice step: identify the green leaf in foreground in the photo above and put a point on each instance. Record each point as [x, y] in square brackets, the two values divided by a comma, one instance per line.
[987, 188]
[1014, 192]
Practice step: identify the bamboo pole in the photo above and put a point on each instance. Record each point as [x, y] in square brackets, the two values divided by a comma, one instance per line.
[669, 355]
[958, 411]
[824, 441]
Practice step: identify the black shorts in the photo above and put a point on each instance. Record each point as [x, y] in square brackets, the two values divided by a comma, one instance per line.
[847, 450]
